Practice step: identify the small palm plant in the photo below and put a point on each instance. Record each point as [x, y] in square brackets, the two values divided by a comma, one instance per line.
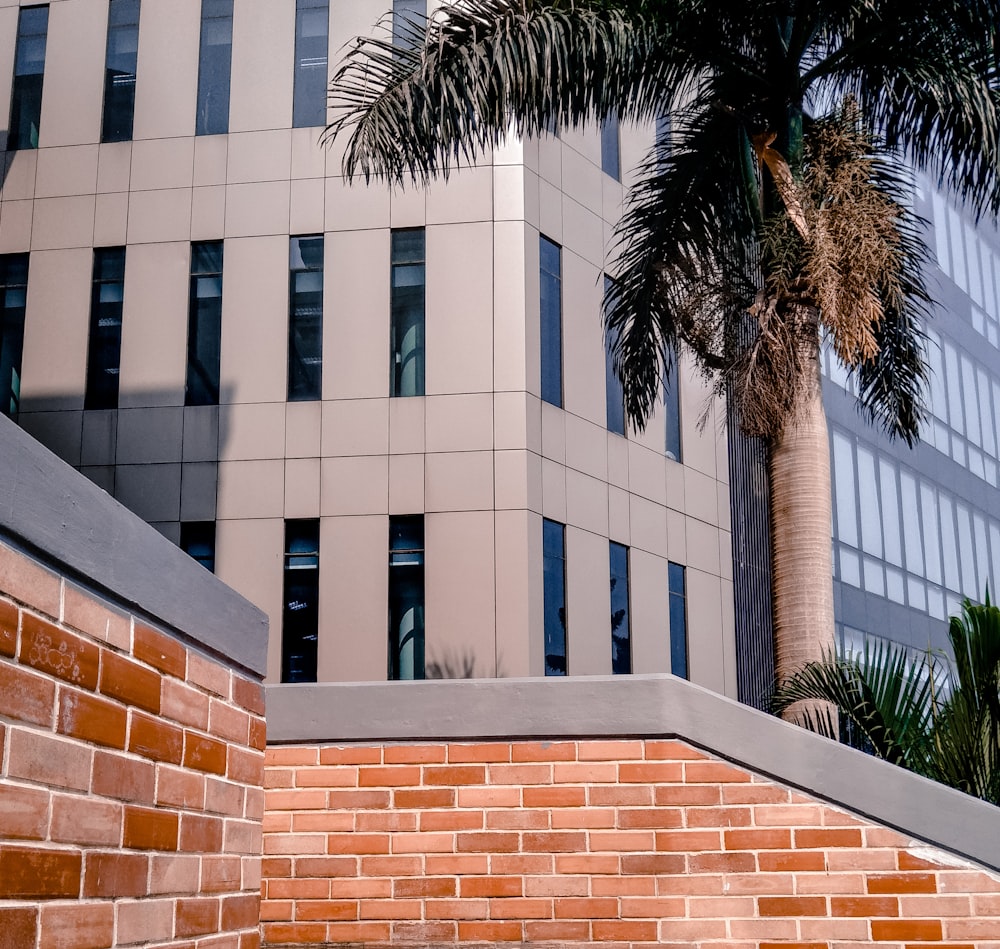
[937, 717]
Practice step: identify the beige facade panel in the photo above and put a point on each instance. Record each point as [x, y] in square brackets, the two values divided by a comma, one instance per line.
[649, 612]
[458, 481]
[15, 225]
[251, 430]
[63, 222]
[251, 489]
[520, 622]
[467, 196]
[459, 422]
[356, 427]
[302, 478]
[588, 603]
[357, 485]
[303, 425]
[407, 425]
[110, 220]
[263, 51]
[66, 171]
[515, 308]
[406, 484]
[158, 216]
[114, 167]
[150, 435]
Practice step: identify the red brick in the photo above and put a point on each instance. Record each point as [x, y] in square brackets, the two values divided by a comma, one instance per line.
[77, 926]
[690, 841]
[791, 861]
[909, 861]
[179, 788]
[24, 812]
[150, 829]
[394, 776]
[561, 885]
[219, 873]
[625, 930]
[195, 917]
[791, 906]
[582, 863]
[85, 612]
[487, 752]
[360, 843]
[453, 864]
[554, 796]
[902, 883]
[240, 912]
[361, 889]
[443, 820]
[489, 797]
[899, 929]
[85, 820]
[258, 734]
[159, 650]
[91, 718]
[303, 933]
[827, 837]
[425, 886]
[326, 909]
[491, 886]
[652, 863]
[492, 931]
[757, 839]
[425, 933]
[130, 682]
[517, 819]
[554, 842]
[543, 751]
[356, 800]
[394, 909]
[620, 795]
[414, 754]
[863, 906]
[454, 775]
[18, 927]
[26, 696]
[673, 750]
[224, 797]
[713, 772]
[248, 695]
[154, 738]
[50, 649]
[35, 756]
[656, 772]
[208, 674]
[204, 754]
[652, 817]
[682, 795]
[519, 908]
[368, 932]
[587, 908]
[659, 907]
[115, 875]
[245, 767]
[487, 842]
[419, 797]
[32, 873]
[8, 628]
[347, 754]
[225, 721]
[754, 794]
[182, 703]
[731, 862]
[125, 779]
[200, 834]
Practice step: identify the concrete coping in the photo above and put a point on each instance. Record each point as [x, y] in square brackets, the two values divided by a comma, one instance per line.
[76, 528]
[660, 706]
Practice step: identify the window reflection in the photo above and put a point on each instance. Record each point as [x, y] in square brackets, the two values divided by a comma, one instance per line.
[406, 597]
[300, 612]
[554, 594]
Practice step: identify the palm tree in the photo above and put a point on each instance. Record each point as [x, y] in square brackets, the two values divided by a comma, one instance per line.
[940, 719]
[778, 202]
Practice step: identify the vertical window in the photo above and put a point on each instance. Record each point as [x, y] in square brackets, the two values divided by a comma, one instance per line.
[554, 577]
[300, 610]
[305, 318]
[612, 384]
[29, 70]
[13, 296]
[672, 410]
[215, 58]
[621, 636]
[611, 158]
[550, 314]
[105, 345]
[204, 324]
[198, 542]
[408, 20]
[678, 620]
[406, 597]
[407, 319]
[119, 70]
[312, 28]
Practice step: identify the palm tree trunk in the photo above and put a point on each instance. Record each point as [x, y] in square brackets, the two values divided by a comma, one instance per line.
[801, 520]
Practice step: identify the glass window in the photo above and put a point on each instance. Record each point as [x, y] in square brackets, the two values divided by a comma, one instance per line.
[29, 70]
[198, 541]
[204, 324]
[621, 636]
[105, 344]
[13, 297]
[611, 159]
[890, 513]
[871, 518]
[951, 562]
[676, 581]
[408, 289]
[911, 524]
[305, 318]
[932, 541]
[672, 409]
[550, 318]
[214, 67]
[554, 576]
[406, 597]
[613, 385]
[408, 19]
[968, 557]
[312, 29]
[300, 608]
[847, 508]
[119, 70]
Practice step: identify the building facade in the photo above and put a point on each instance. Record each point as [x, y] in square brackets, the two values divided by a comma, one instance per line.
[383, 415]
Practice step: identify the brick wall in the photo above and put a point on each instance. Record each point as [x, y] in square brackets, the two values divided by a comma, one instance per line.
[130, 799]
[608, 841]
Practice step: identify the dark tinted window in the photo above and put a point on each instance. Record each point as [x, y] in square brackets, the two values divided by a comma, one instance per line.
[13, 297]
[408, 21]
[214, 67]
[621, 636]
[312, 27]
[119, 70]
[612, 384]
[104, 347]
[672, 410]
[29, 70]
[305, 318]
[554, 568]
[407, 318]
[204, 324]
[678, 620]
[300, 610]
[198, 541]
[550, 317]
[611, 161]
[406, 597]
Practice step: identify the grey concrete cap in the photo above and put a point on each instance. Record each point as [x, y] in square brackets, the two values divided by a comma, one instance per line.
[639, 706]
[72, 524]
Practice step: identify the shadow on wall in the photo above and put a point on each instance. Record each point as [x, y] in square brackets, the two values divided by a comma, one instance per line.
[462, 664]
[158, 458]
